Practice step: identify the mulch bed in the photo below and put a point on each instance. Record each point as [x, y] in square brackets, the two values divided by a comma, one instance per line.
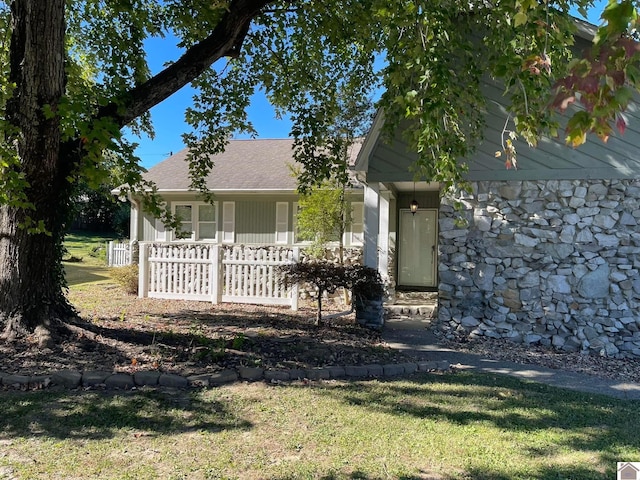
[123, 334]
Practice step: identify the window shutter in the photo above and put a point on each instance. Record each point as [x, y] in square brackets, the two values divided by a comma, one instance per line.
[228, 222]
[357, 223]
[282, 222]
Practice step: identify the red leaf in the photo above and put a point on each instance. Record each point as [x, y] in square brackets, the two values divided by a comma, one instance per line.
[618, 77]
[621, 125]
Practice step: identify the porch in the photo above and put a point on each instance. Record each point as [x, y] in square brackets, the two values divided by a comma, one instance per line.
[235, 273]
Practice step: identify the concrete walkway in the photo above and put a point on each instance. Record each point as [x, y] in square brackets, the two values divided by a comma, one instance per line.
[411, 333]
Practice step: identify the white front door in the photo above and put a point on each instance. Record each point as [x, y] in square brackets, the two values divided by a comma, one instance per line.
[417, 251]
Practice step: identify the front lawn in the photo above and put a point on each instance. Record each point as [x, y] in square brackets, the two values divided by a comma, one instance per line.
[430, 426]
[85, 259]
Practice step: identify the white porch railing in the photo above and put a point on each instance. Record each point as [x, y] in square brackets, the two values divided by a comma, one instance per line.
[185, 272]
[237, 274]
[118, 254]
[250, 275]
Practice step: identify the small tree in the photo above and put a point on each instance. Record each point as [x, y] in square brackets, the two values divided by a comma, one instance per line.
[325, 276]
[323, 217]
[364, 282]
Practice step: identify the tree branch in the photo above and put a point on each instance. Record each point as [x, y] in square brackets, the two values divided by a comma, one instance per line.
[225, 41]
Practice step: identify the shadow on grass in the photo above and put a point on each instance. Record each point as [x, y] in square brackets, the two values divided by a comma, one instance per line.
[549, 472]
[598, 425]
[102, 415]
[77, 274]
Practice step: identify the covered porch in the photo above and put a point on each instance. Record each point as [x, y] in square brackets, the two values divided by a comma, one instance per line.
[400, 219]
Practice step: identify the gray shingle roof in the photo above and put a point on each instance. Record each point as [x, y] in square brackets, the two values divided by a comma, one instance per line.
[245, 165]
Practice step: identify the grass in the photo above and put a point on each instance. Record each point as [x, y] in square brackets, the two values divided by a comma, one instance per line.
[90, 249]
[431, 426]
[453, 426]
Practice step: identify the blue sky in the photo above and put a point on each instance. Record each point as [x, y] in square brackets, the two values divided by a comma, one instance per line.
[168, 117]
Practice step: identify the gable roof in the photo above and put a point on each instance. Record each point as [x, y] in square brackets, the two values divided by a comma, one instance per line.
[244, 165]
[253, 165]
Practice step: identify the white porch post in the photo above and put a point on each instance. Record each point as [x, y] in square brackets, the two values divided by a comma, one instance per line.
[294, 288]
[215, 274]
[383, 240]
[135, 218]
[143, 271]
[371, 224]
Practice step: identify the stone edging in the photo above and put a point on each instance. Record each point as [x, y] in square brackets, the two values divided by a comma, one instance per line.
[151, 378]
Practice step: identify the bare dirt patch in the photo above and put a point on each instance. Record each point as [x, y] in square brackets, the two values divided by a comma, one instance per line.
[122, 333]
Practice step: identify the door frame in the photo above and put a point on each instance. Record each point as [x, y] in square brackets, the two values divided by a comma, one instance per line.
[400, 286]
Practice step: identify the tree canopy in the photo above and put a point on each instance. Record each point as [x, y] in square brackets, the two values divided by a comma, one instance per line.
[75, 73]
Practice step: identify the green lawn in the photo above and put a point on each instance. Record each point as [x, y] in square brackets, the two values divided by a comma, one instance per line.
[449, 426]
[429, 426]
[90, 249]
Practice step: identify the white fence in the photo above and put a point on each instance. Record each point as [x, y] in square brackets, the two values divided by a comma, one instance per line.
[237, 274]
[118, 254]
[250, 275]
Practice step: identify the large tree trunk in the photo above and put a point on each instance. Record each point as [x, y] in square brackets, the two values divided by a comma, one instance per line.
[31, 281]
[30, 269]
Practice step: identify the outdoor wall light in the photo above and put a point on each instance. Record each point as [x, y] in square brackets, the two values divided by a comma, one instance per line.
[413, 206]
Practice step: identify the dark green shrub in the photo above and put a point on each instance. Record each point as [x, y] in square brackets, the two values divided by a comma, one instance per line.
[364, 282]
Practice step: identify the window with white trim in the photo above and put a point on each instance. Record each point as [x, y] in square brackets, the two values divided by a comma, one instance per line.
[228, 222]
[282, 222]
[357, 223]
[198, 221]
[206, 225]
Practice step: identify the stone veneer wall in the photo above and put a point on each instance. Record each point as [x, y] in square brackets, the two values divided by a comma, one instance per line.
[549, 262]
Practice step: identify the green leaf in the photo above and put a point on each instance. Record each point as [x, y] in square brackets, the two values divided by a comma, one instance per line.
[519, 19]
